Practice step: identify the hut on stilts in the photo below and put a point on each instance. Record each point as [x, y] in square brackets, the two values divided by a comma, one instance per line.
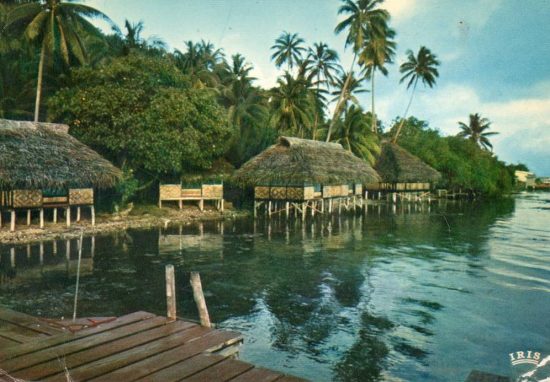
[404, 176]
[301, 176]
[43, 167]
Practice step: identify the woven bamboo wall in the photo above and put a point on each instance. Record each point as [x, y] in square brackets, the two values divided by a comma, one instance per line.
[212, 191]
[81, 196]
[191, 193]
[278, 193]
[330, 191]
[261, 192]
[170, 191]
[358, 189]
[309, 192]
[295, 193]
[27, 198]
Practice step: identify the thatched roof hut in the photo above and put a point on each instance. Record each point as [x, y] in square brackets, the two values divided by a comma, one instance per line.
[45, 156]
[294, 161]
[397, 165]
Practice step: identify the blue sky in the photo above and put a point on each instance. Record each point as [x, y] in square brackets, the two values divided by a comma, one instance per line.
[495, 55]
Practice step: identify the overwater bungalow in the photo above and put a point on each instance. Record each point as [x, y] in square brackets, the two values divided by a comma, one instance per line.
[403, 175]
[43, 167]
[306, 175]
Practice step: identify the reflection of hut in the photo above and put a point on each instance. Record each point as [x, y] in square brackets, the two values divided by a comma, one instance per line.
[402, 172]
[305, 174]
[42, 166]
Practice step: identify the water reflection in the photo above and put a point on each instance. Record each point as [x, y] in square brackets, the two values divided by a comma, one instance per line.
[400, 291]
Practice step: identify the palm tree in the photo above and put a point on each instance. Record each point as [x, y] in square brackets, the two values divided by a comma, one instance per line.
[199, 61]
[288, 49]
[353, 133]
[476, 131]
[323, 68]
[378, 51]
[290, 104]
[365, 19]
[421, 67]
[57, 25]
[133, 40]
[347, 93]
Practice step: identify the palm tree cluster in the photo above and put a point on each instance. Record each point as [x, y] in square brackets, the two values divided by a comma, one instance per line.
[476, 131]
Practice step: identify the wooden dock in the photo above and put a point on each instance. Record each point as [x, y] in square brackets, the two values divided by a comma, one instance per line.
[139, 346]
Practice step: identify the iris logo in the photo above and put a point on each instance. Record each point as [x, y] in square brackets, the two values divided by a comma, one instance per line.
[539, 373]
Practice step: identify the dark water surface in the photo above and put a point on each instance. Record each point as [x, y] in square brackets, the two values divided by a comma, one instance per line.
[410, 294]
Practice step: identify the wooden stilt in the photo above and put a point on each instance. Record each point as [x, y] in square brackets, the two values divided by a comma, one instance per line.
[180, 204]
[0, 218]
[199, 299]
[304, 209]
[313, 206]
[222, 204]
[287, 209]
[330, 206]
[55, 215]
[201, 205]
[379, 195]
[170, 293]
[12, 221]
[269, 208]
[339, 205]
[28, 217]
[92, 213]
[68, 216]
[78, 214]
[255, 212]
[12, 257]
[322, 206]
[42, 218]
[394, 197]
[41, 254]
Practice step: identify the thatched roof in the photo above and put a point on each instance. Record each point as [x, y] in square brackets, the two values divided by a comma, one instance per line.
[44, 155]
[294, 161]
[397, 165]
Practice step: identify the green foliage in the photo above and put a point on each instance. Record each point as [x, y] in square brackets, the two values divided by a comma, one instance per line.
[140, 112]
[462, 163]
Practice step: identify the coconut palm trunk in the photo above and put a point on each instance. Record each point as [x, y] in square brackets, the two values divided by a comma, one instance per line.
[405, 114]
[372, 103]
[338, 108]
[39, 82]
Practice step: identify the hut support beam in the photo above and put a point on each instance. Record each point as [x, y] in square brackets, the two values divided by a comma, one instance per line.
[55, 215]
[0, 218]
[29, 216]
[201, 205]
[269, 208]
[12, 221]
[42, 218]
[330, 206]
[304, 208]
[68, 216]
[78, 214]
[92, 213]
[287, 209]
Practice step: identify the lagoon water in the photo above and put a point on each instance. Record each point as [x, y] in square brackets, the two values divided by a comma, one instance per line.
[408, 294]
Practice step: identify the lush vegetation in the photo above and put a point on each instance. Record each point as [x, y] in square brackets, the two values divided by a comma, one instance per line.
[162, 114]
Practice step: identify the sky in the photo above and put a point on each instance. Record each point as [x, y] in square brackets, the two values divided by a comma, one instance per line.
[495, 55]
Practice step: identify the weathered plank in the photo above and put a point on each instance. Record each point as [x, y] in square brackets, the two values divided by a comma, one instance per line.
[257, 375]
[72, 361]
[26, 321]
[222, 371]
[158, 355]
[65, 349]
[37, 345]
[183, 369]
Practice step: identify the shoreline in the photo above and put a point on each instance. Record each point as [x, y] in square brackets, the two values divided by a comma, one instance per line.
[108, 223]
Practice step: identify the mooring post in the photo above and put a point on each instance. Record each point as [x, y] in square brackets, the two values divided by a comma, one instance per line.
[199, 299]
[170, 292]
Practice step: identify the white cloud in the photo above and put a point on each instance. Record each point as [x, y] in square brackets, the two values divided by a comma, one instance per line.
[401, 10]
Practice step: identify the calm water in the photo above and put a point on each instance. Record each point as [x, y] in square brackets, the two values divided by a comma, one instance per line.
[412, 295]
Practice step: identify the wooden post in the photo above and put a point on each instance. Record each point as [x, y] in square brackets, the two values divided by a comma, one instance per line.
[68, 215]
[199, 299]
[322, 206]
[78, 214]
[339, 205]
[170, 293]
[255, 209]
[287, 209]
[0, 218]
[12, 222]
[12, 257]
[330, 206]
[42, 218]
[55, 215]
[269, 208]
[379, 195]
[92, 212]
[201, 205]
[304, 209]
[28, 217]
[394, 197]
[313, 206]
[222, 204]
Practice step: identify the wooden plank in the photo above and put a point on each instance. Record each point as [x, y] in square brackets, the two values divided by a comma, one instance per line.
[480, 376]
[26, 321]
[67, 337]
[222, 371]
[257, 375]
[72, 361]
[6, 343]
[65, 349]
[155, 356]
[183, 369]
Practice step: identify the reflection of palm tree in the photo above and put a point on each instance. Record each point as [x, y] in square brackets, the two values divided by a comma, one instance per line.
[422, 67]
[58, 26]
[476, 131]
[288, 49]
